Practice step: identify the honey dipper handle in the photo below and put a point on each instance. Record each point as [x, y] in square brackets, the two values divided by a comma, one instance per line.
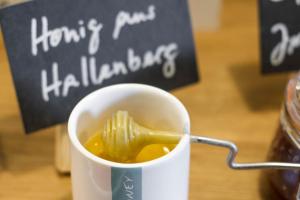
[162, 137]
[243, 166]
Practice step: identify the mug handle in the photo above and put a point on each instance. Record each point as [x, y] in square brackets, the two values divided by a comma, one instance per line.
[233, 150]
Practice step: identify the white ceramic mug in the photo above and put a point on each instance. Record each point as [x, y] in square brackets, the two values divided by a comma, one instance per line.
[94, 178]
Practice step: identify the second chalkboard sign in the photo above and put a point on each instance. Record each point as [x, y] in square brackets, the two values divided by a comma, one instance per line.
[280, 35]
[61, 50]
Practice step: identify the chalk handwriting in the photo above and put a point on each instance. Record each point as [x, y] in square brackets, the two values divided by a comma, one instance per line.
[125, 18]
[51, 38]
[44, 37]
[91, 74]
[286, 46]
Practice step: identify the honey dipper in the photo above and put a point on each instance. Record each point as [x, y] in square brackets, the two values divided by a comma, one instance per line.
[123, 139]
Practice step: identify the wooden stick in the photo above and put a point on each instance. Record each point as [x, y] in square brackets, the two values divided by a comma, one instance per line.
[62, 149]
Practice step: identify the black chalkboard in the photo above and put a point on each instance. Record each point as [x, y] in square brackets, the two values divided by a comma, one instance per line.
[280, 35]
[83, 45]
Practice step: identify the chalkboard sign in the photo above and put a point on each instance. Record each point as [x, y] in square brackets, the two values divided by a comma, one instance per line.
[61, 50]
[280, 35]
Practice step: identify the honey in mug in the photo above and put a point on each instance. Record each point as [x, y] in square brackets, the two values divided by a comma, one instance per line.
[150, 152]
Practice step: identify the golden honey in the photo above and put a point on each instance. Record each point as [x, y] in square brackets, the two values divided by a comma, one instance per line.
[150, 152]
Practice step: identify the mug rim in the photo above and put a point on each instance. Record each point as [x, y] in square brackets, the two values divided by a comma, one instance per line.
[83, 151]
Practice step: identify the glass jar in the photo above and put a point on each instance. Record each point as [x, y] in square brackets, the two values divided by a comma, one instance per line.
[286, 144]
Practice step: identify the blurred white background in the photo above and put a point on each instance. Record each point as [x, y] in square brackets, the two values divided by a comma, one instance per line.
[205, 14]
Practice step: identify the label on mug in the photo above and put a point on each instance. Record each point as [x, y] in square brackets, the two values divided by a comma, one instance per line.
[126, 184]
